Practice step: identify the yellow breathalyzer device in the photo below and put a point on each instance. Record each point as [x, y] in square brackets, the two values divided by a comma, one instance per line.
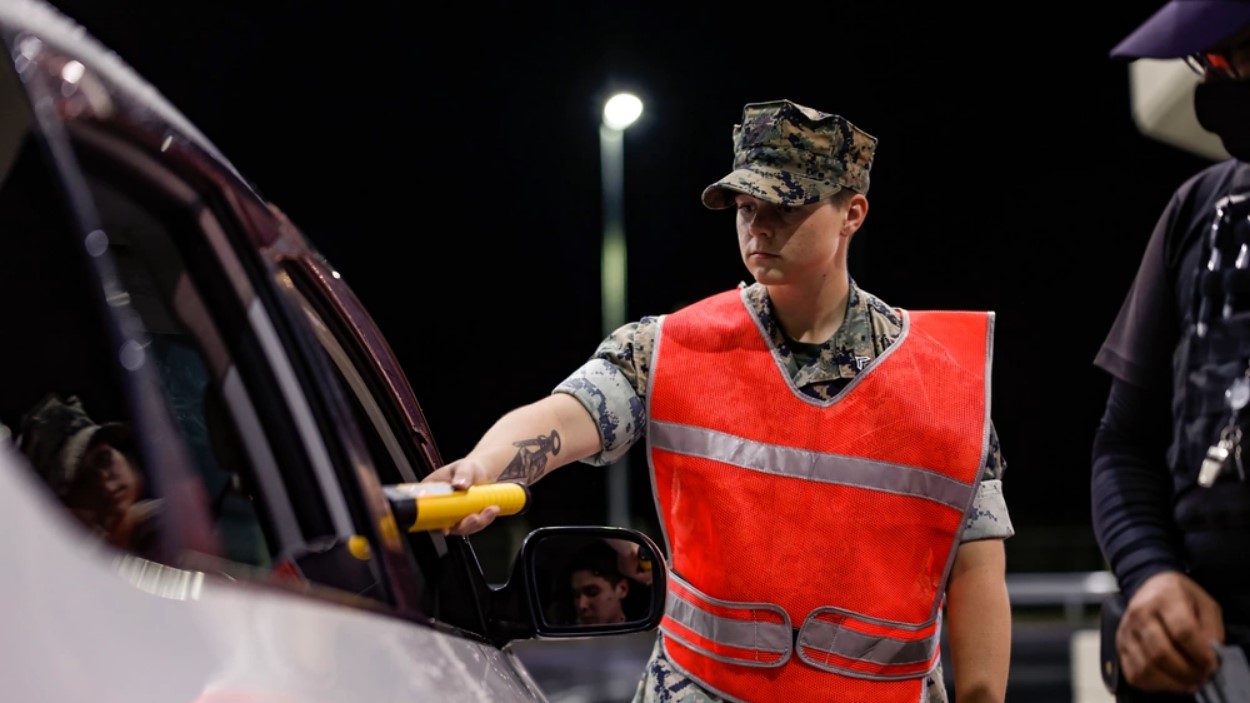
[420, 507]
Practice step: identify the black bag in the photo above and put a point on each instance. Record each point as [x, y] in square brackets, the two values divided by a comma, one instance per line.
[1109, 665]
[1231, 684]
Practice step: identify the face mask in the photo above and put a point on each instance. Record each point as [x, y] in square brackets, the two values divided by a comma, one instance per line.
[1223, 108]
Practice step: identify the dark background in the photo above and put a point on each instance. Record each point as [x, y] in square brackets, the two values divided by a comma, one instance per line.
[445, 158]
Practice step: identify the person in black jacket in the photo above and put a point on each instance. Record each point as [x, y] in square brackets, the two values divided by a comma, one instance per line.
[1170, 506]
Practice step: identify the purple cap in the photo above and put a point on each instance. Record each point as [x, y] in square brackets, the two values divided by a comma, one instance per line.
[1184, 27]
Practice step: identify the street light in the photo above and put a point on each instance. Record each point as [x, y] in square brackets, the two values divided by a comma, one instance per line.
[619, 112]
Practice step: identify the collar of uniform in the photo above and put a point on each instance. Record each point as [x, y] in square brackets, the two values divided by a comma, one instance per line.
[869, 327]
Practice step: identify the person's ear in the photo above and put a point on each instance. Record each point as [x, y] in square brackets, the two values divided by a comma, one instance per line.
[856, 213]
[622, 587]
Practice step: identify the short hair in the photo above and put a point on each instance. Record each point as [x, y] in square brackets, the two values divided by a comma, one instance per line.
[600, 559]
[841, 198]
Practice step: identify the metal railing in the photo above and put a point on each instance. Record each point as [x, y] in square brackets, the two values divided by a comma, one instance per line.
[1073, 591]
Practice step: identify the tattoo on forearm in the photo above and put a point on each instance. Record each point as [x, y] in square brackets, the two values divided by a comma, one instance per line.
[530, 463]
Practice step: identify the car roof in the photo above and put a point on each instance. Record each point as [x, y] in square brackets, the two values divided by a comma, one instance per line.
[47, 24]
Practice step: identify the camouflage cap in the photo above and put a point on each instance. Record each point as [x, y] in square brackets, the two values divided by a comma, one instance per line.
[788, 154]
[56, 433]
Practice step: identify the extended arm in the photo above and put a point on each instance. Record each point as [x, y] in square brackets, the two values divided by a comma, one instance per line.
[523, 446]
[978, 621]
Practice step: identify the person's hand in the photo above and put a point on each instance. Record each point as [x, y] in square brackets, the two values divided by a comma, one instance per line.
[461, 474]
[630, 564]
[1166, 640]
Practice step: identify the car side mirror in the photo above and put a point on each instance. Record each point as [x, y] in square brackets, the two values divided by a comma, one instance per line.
[579, 581]
[584, 580]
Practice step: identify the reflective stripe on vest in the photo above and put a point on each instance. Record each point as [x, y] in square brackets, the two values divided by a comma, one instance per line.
[812, 466]
[750, 634]
[841, 516]
[760, 634]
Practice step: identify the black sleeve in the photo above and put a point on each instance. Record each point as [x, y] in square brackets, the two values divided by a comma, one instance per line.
[1130, 487]
[1139, 346]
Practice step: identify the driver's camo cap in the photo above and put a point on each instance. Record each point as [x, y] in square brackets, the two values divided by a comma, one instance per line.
[789, 154]
[56, 433]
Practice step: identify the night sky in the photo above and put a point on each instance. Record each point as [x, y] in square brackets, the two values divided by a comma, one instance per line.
[1009, 177]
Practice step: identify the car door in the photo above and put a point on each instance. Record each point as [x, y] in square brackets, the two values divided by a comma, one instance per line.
[142, 282]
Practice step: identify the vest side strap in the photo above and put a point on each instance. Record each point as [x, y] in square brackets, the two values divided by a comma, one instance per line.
[853, 651]
[759, 628]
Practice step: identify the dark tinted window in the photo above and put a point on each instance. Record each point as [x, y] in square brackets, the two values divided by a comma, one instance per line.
[168, 459]
[61, 364]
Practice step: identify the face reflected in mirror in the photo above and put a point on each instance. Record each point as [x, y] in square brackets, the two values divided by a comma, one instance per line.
[592, 581]
[599, 588]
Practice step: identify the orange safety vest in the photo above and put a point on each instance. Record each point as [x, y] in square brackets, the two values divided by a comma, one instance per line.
[824, 529]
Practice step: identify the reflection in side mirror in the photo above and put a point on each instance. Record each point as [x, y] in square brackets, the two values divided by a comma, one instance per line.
[586, 580]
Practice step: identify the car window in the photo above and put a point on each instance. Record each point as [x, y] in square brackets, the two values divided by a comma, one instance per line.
[62, 361]
[224, 365]
[149, 288]
[168, 305]
[394, 428]
[152, 281]
[116, 272]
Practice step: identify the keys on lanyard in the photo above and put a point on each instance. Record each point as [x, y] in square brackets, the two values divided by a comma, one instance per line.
[1228, 449]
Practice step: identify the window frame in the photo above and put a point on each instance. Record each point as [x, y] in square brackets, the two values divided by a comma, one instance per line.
[308, 402]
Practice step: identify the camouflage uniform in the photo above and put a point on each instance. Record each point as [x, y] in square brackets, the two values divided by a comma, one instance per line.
[612, 384]
[773, 161]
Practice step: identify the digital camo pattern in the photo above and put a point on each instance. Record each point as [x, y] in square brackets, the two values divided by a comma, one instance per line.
[788, 154]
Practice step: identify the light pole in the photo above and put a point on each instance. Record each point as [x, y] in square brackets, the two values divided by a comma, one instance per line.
[619, 112]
